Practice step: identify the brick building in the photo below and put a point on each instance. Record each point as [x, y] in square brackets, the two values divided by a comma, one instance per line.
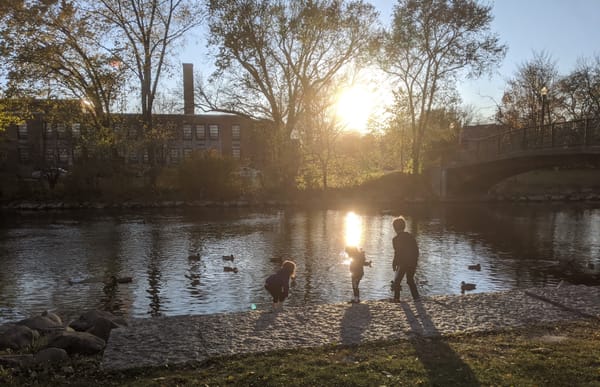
[50, 139]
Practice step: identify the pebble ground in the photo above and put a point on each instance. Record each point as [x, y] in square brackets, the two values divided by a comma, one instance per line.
[174, 340]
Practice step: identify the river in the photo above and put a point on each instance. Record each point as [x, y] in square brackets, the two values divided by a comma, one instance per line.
[57, 260]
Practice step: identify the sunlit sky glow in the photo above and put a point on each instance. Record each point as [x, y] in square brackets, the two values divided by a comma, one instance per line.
[564, 29]
[354, 106]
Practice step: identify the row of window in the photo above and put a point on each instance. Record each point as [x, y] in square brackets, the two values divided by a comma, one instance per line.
[62, 155]
[60, 130]
[213, 132]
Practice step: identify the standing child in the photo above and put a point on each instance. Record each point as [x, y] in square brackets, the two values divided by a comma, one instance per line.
[357, 263]
[278, 284]
[406, 253]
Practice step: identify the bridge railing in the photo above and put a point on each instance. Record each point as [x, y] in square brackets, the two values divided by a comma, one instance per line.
[558, 135]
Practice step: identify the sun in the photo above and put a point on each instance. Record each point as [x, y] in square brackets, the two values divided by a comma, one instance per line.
[354, 107]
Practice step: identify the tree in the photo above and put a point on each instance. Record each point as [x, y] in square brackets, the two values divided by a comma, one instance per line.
[55, 47]
[145, 32]
[522, 101]
[580, 90]
[431, 43]
[319, 129]
[272, 55]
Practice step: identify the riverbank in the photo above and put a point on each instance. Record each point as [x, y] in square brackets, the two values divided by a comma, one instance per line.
[166, 341]
[318, 202]
[540, 336]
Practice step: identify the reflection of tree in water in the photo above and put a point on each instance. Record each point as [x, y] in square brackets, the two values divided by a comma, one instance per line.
[154, 277]
[110, 300]
[155, 274]
[193, 275]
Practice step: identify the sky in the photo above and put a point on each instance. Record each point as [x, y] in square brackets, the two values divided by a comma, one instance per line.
[566, 30]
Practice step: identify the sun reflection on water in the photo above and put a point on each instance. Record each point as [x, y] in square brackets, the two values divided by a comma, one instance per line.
[353, 230]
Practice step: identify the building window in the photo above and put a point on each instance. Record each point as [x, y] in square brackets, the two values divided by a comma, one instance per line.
[235, 153]
[214, 131]
[174, 155]
[50, 155]
[60, 130]
[132, 133]
[187, 132]
[3, 156]
[187, 153]
[76, 130]
[145, 157]
[133, 156]
[23, 155]
[235, 132]
[63, 155]
[22, 133]
[200, 132]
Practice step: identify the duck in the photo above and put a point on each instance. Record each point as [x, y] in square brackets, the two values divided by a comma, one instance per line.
[228, 257]
[231, 269]
[466, 286]
[475, 267]
[124, 280]
[194, 257]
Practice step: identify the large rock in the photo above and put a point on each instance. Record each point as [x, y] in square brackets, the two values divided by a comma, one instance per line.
[87, 320]
[102, 328]
[81, 343]
[45, 323]
[14, 336]
[51, 356]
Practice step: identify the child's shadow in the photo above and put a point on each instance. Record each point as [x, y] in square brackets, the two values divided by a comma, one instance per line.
[433, 350]
[356, 320]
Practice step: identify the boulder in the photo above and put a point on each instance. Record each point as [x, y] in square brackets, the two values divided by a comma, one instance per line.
[102, 328]
[51, 356]
[53, 317]
[14, 336]
[81, 343]
[87, 320]
[45, 323]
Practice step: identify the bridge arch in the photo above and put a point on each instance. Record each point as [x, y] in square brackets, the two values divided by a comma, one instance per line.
[487, 161]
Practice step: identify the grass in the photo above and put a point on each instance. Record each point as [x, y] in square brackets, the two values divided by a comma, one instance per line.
[563, 355]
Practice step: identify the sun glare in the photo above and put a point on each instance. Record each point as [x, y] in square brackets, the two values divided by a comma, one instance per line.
[353, 229]
[354, 107]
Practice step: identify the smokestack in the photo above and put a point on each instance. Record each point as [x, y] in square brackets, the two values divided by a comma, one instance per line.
[188, 88]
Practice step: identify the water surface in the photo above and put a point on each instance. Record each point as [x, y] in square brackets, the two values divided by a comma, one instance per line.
[517, 246]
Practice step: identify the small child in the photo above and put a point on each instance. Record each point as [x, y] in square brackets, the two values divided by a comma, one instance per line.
[357, 262]
[278, 284]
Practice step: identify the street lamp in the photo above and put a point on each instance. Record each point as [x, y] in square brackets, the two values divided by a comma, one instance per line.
[544, 93]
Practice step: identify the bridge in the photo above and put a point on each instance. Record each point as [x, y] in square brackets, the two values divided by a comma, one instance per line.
[482, 163]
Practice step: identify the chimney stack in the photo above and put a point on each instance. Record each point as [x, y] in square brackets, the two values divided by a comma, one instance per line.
[188, 88]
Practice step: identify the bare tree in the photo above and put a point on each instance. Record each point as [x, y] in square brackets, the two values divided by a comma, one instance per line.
[580, 90]
[522, 101]
[272, 54]
[145, 32]
[431, 43]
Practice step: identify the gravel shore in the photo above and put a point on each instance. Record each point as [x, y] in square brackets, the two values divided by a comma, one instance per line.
[173, 340]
